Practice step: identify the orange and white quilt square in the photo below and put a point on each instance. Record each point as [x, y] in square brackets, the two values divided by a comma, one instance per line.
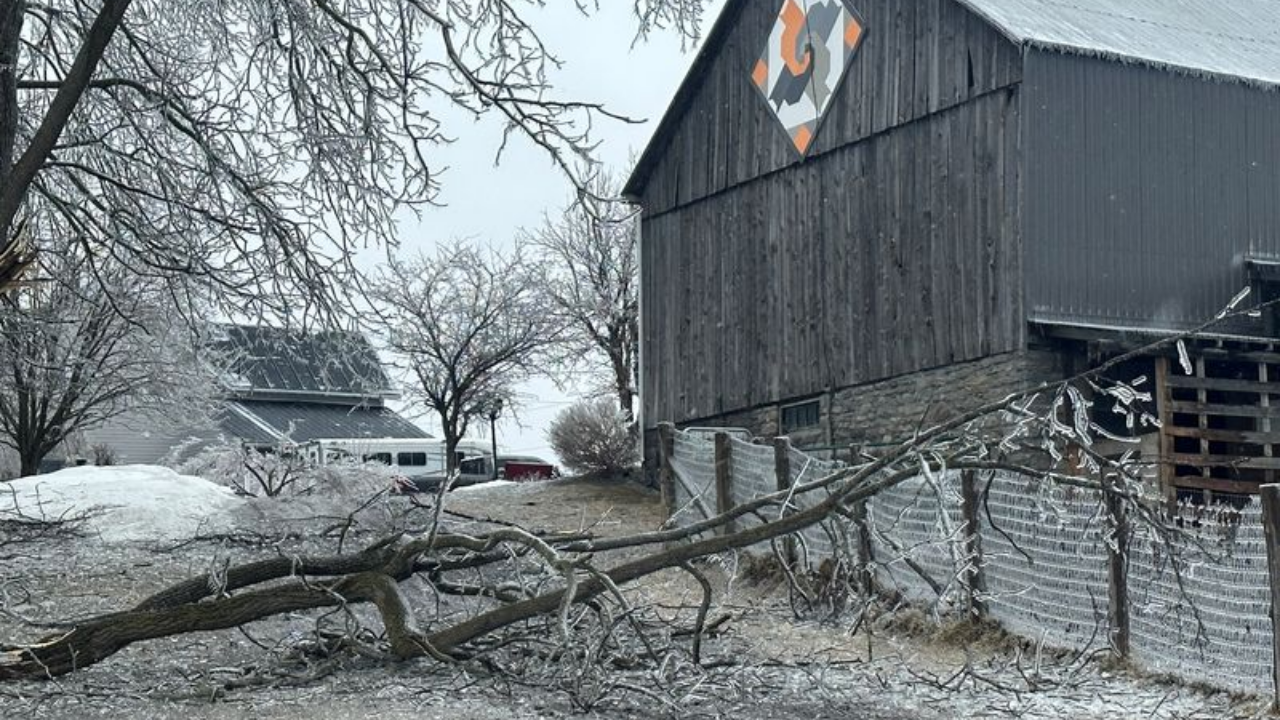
[810, 48]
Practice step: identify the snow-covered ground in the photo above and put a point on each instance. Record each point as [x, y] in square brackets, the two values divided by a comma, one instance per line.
[124, 504]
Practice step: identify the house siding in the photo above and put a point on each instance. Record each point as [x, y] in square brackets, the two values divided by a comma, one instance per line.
[135, 440]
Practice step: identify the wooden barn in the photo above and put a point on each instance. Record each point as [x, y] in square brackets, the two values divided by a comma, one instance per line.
[858, 214]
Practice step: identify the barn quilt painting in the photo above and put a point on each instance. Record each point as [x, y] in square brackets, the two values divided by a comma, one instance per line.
[811, 45]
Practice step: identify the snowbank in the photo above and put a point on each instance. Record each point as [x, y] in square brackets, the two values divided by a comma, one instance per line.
[491, 485]
[129, 503]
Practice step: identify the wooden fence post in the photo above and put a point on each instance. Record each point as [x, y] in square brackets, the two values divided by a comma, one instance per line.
[974, 579]
[782, 471]
[724, 480]
[866, 580]
[1271, 528]
[1117, 570]
[666, 476]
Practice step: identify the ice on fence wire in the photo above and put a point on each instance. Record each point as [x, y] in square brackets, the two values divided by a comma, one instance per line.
[1045, 561]
[1209, 622]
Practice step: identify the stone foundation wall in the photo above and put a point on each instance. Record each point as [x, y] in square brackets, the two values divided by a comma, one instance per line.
[890, 410]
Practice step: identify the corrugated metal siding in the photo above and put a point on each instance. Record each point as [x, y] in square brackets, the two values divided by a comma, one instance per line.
[1145, 191]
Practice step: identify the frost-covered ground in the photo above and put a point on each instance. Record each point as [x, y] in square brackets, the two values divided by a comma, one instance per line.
[151, 528]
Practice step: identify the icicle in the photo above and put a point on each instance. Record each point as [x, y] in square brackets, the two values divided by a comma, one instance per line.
[1185, 358]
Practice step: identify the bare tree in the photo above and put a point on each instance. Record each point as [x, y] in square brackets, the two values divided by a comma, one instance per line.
[257, 143]
[593, 279]
[467, 325]
[88, 348]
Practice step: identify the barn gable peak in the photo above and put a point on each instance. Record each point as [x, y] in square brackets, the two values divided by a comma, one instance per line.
[1224, 40]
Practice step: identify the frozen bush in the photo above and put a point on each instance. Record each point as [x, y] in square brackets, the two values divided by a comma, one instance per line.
[288, 494]
[594, 436]
[249, 471]
[285, 473]
[103, 454]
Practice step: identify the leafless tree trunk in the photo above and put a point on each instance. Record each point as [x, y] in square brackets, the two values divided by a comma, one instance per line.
[12, 14]
[18, 176]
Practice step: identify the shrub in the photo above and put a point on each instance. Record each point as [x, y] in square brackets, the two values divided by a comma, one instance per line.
[284, 473]
[103, 454]
[248, 471]
[594, 436]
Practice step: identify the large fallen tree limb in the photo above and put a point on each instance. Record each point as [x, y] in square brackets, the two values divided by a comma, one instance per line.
[572, 572]
[258, 590]
[539, 592]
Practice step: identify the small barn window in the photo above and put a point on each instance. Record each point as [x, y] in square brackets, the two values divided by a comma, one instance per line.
[801, 416]
[411, 459]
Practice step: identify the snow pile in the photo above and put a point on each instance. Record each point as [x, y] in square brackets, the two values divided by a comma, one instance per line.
[128, 503]
[491, 485]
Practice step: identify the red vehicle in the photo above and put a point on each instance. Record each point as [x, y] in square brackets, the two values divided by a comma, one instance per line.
[525, 468]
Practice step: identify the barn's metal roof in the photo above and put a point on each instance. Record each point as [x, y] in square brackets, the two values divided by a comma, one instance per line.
[1225, 39]
[1232, 40]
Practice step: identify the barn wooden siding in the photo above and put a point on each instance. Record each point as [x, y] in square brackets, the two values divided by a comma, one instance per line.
[918, 58]
[1145, 191]
[893, 248]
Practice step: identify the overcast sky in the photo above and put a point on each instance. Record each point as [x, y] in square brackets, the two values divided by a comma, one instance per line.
[490, 204]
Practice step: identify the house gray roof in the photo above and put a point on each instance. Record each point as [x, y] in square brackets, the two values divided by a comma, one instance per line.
[1225, 39]
[271, 361]
[1233, 40]
[267, 423]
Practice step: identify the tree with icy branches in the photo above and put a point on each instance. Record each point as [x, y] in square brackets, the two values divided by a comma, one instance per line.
[466, 325]
[593, 281]
[255, 144]
[93, 346]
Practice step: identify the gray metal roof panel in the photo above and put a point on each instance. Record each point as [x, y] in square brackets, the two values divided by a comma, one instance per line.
[322, 363]
[240, 425]
[1225, 39]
